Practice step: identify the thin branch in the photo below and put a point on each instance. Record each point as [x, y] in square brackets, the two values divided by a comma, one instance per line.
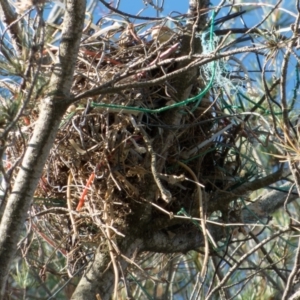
[242, 259]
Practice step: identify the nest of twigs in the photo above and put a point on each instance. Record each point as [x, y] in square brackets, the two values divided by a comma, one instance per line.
[103, 156]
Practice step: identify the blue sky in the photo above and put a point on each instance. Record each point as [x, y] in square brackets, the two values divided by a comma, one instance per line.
[251, 18]
[133, 6]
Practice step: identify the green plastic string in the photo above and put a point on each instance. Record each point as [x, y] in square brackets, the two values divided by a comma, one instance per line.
[140, 286]
[178, 104]
[265, 110]
[66, 120]
[184, 213]
[214, 64]
[240, 94]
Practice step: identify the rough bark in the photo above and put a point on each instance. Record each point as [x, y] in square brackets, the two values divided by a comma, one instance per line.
[51, 112]
[99, 277]
[9, 18]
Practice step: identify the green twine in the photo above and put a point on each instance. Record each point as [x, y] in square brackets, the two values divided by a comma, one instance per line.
[178, 104]
[141, 287]
[266, 112]
[219, 248]
[184, 213]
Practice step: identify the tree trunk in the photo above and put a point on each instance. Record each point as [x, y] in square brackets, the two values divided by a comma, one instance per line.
[52, 110]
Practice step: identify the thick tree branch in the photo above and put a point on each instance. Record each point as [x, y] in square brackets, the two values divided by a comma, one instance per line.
[99, 276]
[223, 198]
[274, 200]
[51, 112]
[9, 18]
[184, 239]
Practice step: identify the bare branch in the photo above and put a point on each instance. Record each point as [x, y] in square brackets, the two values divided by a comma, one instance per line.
[52, 110]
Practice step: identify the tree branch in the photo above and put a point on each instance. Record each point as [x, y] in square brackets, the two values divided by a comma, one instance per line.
[99, 276]
[227, 197]
[51, 112]
[9, 18]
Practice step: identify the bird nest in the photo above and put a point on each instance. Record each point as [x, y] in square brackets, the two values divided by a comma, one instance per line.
[118, 149]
